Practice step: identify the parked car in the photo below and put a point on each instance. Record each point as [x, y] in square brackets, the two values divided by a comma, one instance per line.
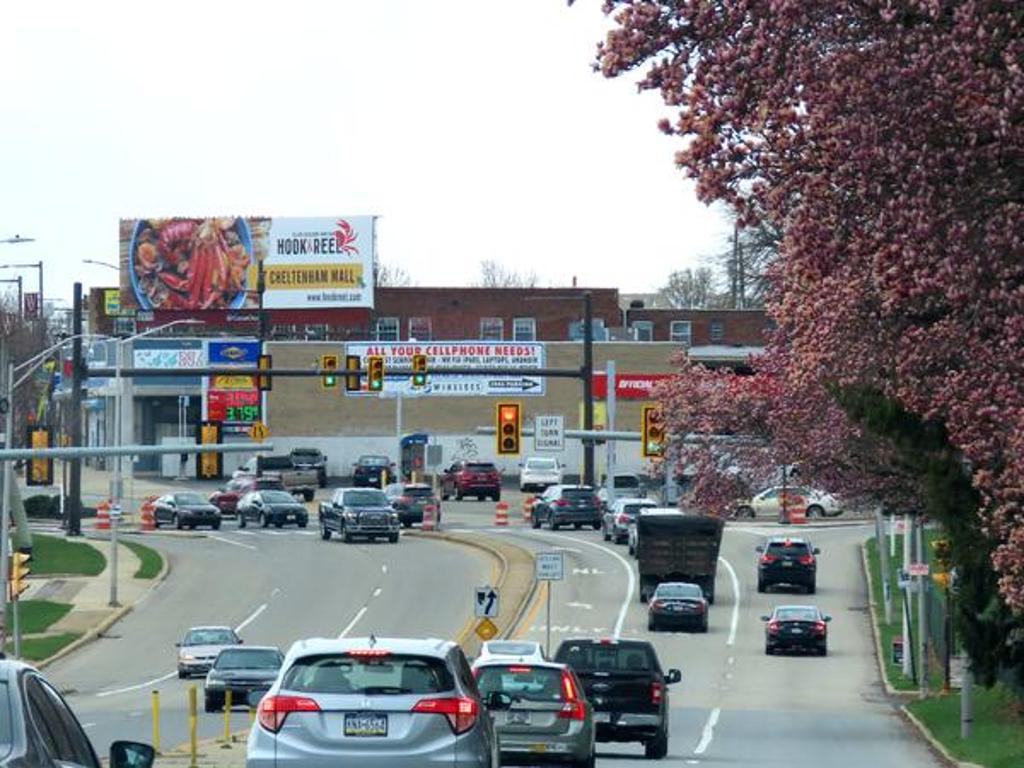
[367, 471]
[241, 670]
[39, 730]
[275, 508]
[539, 710]
[298, 481]
[789, 561]
[185, 509]
[677, 604]
[539, 473]
[616, 520]
[199, 648]
[359, 512]
[796, 627]
[226, 500]
[311, 458]
[471, 478]
[625, 684]
[768, 504]
[373, 701]
[560, 505]
[511, 650]
[409, 500]
[624, 485]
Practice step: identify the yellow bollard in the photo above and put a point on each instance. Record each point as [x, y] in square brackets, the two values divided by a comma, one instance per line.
[227, 715]
[252, 716]
[156, 721]
[193, 722]
[383, 478]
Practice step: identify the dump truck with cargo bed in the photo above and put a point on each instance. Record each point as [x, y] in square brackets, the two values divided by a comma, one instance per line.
[677, 546]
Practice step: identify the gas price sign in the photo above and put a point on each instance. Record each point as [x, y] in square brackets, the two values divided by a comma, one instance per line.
[240, 406]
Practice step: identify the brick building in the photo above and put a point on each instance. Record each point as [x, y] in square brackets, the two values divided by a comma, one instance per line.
[699, 327]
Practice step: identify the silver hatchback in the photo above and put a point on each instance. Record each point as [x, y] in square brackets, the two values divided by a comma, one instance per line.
[382, 702]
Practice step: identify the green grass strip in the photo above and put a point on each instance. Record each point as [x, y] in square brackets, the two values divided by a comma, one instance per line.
[36, 616]
[150, 561]
[53, 555]
[997, 734]
[39, 648]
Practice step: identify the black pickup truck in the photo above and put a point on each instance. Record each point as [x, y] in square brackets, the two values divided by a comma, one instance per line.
[677, 546]
[359, 513]
[625, 685]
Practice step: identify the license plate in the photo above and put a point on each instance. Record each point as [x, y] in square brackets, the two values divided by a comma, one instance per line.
[797, 631]
[787, 564]
[538, 748]
[518, 718]
[602, 717]
[366, 725]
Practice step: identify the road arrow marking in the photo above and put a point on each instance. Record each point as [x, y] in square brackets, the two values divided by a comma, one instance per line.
[582, 606]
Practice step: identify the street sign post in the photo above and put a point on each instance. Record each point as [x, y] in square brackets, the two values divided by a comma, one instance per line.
[549, 566]
[549, 433]
[486, 602]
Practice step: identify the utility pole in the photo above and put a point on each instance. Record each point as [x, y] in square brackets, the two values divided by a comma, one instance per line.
[5, 523]
[77, 369]
[610, 405]
[922, 611]
[908, 598]
[883, 553]
[588, 385]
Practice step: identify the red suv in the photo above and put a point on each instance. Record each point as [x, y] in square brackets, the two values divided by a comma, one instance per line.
[226, 500]
[471, 478]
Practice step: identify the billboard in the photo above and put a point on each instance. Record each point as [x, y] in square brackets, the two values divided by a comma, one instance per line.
[199, 264]
[629, 386]
[451, 354]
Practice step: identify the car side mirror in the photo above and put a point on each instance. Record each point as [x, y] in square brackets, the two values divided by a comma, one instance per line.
[759, 549]
[827, 618]
[131, 754]
[817, 551]
[498, 700]
[177, 645]
[766, 618]
[674, 676]
[241, 641]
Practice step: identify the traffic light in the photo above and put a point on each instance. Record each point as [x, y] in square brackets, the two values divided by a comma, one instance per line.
[375, 373]
[510, 428]
[209, 466]
[353, 381]
[263, 382]
[652, 433]
[419, 371]
[19, 573]
[40, 471]
[328, 363]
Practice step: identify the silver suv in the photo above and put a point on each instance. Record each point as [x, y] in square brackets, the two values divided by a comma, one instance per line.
[400, 703]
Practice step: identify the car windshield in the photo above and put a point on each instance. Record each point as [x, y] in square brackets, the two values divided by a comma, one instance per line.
[277, 497]
[368, 675]
[367, 498]
[796, 614]
[522, 683]
[788, 548]
[189, 498]
[606, 657]
[248, 658]
[373, 461]
[544, 464]
[210, 637]
[479, 466]
[671, 591]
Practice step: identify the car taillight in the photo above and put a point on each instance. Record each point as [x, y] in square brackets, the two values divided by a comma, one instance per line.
[702, 606]
[460, 711]
[807, 560]
[368, 653]
[657, 604]
[766, 559]
[274, 710]
[573, 708]
[819, 627]
[774, 627]
[560, 503]
[657, 693]
[622, 519]
[404, 500]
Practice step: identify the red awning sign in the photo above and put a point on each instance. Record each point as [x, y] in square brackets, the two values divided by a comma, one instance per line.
[628, 386]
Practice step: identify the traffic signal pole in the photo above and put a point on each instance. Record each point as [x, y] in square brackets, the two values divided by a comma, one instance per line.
[5, 523]
[588, 385]
[74, 521]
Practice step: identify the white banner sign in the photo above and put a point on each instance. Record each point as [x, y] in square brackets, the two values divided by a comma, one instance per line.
[549, 433]
[169, 358]
[456, 354]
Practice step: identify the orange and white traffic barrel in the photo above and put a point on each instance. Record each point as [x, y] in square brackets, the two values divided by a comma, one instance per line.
[103, 516]
[501, 514]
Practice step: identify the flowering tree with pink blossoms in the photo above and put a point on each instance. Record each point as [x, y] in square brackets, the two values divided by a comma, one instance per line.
[885, 138]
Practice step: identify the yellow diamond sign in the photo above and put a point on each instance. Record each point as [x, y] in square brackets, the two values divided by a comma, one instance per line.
[486, 629]
[259, 432]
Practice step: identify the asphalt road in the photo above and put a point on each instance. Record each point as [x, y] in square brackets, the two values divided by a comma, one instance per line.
[275, 587]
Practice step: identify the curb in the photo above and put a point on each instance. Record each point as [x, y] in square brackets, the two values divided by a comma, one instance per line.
[107, 623]
[876, 632]
[933, 742]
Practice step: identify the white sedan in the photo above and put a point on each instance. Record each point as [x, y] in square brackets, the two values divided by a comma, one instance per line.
[767, 504]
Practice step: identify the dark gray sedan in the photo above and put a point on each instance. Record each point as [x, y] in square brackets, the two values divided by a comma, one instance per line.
[271, 507]
[241, 670]
[185, 510]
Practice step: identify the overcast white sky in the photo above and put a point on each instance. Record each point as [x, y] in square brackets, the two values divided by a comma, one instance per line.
[475, 130]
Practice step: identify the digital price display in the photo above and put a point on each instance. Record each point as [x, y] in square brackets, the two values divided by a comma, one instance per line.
[240, 406]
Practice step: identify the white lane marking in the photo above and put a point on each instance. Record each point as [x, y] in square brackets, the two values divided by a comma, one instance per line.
[735, 621]
[252, 617]
[581, 606]
[130, 688]
[709, 732]
[377, 591]
[276, 591]
[731, 661]
[244, 533]
[568, 549]
[89, 725]
[383, 569]
[351, 624]
[631, 585]
[232, 543]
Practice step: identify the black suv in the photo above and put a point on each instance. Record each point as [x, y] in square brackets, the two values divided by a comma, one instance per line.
[311, 458]
[575, 505]
[788, 561]
[625, 684]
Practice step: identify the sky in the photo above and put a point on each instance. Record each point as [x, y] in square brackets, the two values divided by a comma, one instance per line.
[474, 130]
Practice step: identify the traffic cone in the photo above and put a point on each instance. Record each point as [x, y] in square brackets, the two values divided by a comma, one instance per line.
[501, 514]
[146, 511]
[103, 516]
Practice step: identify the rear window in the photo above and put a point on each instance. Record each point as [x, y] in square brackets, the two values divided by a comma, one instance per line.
[368, 498]
[578, 494]
[541, 464]
[419, 493]
[189, 498]
[522, 683]
[277, 497]
[793, 549]
[237, 658]
[607, 657]
[625, 481]
[670, 591]
[368, 675]
[511, 648]
[268, 483]
[480, 466]
[276, 462]
[302, 454]
[373, 461]
[796, 614]
[634, 509]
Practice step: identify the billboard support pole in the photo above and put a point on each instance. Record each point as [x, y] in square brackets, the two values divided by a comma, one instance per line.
[588, 383]
[260, 286]
[611, 403]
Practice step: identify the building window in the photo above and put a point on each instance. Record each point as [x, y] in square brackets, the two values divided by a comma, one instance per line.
[492, 329]
[643, 330]
[316, 332]
[717, 331]
[284, 331]
[419, 328]
[681, 331]
[524, 329]
[387, 329]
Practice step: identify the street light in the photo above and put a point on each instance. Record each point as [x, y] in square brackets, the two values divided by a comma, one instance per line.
[118, 416]
[102, 264]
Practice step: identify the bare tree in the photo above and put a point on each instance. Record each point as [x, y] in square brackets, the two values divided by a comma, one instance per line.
[689, 288]
[496, 275]
[392, 276]
[745, 264]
